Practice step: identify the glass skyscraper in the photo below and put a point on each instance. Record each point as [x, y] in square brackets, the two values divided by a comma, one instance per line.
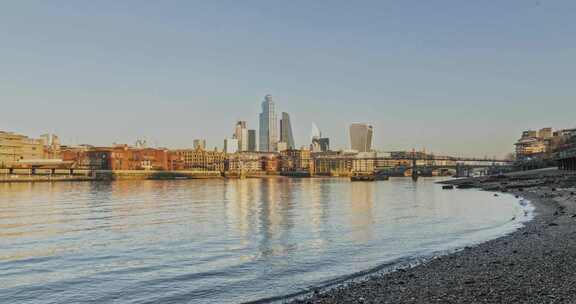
[361, 137]
[252, 140]
[241, 134]
[268, 126]
[286, 131]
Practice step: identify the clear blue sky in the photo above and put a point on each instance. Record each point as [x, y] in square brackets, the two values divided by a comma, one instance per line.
[459, 77]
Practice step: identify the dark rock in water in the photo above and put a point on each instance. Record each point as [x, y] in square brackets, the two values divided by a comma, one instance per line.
[552, 224]
[465, 186]
[448, 187]
[495, 194]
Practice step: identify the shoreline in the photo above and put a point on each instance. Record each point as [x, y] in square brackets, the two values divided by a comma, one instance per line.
[534, 264]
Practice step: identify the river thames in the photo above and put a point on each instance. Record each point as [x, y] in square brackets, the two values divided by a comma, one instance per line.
[226, 241]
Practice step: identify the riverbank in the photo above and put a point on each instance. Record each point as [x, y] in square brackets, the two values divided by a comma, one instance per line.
[535, 264]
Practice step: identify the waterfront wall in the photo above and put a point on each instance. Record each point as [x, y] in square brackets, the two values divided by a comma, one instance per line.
[151, 174]
[107, 175]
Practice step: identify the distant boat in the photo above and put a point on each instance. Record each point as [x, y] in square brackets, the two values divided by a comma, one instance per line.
[368, 177]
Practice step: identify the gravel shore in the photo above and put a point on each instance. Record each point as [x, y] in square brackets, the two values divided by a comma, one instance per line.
[536, 264]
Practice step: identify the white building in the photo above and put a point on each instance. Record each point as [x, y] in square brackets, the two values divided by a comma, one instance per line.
[241, 134]
[230, 145]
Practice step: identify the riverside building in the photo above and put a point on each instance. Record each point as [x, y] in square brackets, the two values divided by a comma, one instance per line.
[15, 147]
[198, 160]
[296, 162]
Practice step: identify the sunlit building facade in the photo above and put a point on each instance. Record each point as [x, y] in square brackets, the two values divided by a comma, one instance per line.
[241, 134]
[268, 126]
[361, 137]
[14, 147]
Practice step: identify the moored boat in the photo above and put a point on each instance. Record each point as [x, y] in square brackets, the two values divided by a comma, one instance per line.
[368, 177]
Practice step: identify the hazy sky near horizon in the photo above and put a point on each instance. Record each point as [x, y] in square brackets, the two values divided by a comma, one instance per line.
[454, 77]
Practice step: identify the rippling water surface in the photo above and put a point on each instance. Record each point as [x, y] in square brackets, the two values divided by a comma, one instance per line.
[224, 241]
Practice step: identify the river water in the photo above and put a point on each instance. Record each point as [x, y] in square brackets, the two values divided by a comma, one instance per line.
[225, 241]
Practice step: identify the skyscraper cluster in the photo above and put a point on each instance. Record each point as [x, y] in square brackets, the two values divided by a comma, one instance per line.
[270, 139]
[276, 135]
[273, 136]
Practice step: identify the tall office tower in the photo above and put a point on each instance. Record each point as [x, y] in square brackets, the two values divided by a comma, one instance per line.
[286, 131]
[241, 134]
[319, 143]
[268, 126]
[200, 144]
[361, 137]
[324, 144]
[230, 145]
[252, 140]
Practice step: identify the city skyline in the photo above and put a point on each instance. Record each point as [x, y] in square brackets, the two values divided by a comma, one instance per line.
[466, 85]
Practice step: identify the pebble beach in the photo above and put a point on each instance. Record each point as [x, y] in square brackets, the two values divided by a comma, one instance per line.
[535, 264]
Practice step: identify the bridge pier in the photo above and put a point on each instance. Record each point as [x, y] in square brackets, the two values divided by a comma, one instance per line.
[567, 164]
[463, 171]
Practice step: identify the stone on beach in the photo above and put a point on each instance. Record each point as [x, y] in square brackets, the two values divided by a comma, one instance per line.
[533, 265]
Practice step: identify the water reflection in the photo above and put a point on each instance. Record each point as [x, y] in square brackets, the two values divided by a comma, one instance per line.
[222, 241]
[362, 219]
